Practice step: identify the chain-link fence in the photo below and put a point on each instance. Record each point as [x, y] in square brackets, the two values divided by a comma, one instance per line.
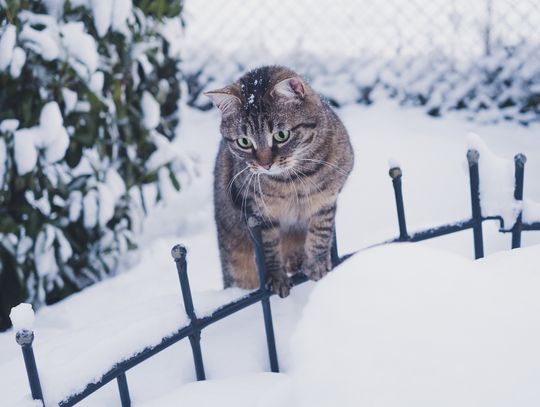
[408, 48]
[458, 28]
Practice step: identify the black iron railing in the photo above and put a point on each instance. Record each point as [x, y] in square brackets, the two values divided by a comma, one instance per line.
[476, 220]
[262, 294]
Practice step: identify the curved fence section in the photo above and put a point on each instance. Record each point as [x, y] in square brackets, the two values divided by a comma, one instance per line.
[262, 295]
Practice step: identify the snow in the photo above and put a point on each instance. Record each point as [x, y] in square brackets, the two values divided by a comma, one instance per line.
[80, 45]
[151, 111]
[173, 32]
[9, 125]
[57, 40]
[44, 43]
[75, 205]
[121, 12]
[17, 62]
[411, 325]
[96, 82]
[44, 252]
[42, 204]
[113, 13]
[163, 154]
[90, 209]
[50, 136]
[25, 151]
[255, 390]
[22, 317]
[70, 100]
[115, 183]
[102, 12]
[50, 120]
[531, 211]
[434, 288]
[53, 137]
[7, 44]
[106, 199]
[55, 7]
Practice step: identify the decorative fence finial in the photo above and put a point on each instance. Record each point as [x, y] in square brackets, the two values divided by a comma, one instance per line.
[395, 172]
[473, 156]
[179, 252]
[22, 317]
[520, 159]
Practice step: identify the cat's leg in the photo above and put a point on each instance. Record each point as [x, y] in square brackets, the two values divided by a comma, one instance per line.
[293, 261]
[277, 280]
[317, 260]
[236, 254]
[292, 248]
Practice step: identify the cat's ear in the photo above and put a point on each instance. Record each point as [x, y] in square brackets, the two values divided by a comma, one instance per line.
[225, 99]
[290, 88]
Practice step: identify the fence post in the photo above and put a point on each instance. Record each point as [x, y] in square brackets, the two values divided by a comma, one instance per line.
[395, 173]
[519, 165]
[123, 389]
[474, 180]
[179, 253]
[25, 338]
[334, 254]
[254, 225]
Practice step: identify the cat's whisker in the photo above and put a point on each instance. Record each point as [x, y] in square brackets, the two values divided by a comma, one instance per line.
[265, 216]
[330, 165]
[306, 190]
[294, 186]
[229, 186]
[307, 178]
[255, 199]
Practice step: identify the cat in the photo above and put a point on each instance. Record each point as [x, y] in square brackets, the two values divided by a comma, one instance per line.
[285, 156]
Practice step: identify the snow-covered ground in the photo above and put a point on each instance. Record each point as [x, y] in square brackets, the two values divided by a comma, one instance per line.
[419, 324]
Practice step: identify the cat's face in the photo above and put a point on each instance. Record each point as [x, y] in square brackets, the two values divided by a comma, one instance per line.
[269, 119]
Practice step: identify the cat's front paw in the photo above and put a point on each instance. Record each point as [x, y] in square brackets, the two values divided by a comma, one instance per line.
[315, 270]
[279, 284]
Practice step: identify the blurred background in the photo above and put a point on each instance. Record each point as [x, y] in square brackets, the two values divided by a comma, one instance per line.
[481, 56]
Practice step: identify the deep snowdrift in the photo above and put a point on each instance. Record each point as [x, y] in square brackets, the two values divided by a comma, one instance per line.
[80, 338]
[407, 325]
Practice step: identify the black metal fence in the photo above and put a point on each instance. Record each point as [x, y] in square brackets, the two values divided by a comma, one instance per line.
[197, 325]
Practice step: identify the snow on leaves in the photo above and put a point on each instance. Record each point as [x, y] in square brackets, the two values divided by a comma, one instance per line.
[50, 137]
[74, 139]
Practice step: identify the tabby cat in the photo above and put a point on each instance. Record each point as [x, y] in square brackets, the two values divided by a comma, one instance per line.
[284, 156]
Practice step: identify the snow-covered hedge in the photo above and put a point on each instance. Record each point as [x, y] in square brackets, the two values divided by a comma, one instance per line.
[500, 86]
[88, 108]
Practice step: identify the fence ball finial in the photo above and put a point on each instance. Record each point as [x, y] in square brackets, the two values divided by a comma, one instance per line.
[395, 172]
[24, 337]
[179, 252]
[473, 156]
[520, 159]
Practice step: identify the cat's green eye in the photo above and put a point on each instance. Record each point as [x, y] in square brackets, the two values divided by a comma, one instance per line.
[244, 142]
[282, 136]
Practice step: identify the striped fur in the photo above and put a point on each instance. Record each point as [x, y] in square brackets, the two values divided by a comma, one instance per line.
[295, 197]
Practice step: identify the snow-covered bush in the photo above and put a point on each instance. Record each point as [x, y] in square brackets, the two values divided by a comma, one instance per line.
[88, 108]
